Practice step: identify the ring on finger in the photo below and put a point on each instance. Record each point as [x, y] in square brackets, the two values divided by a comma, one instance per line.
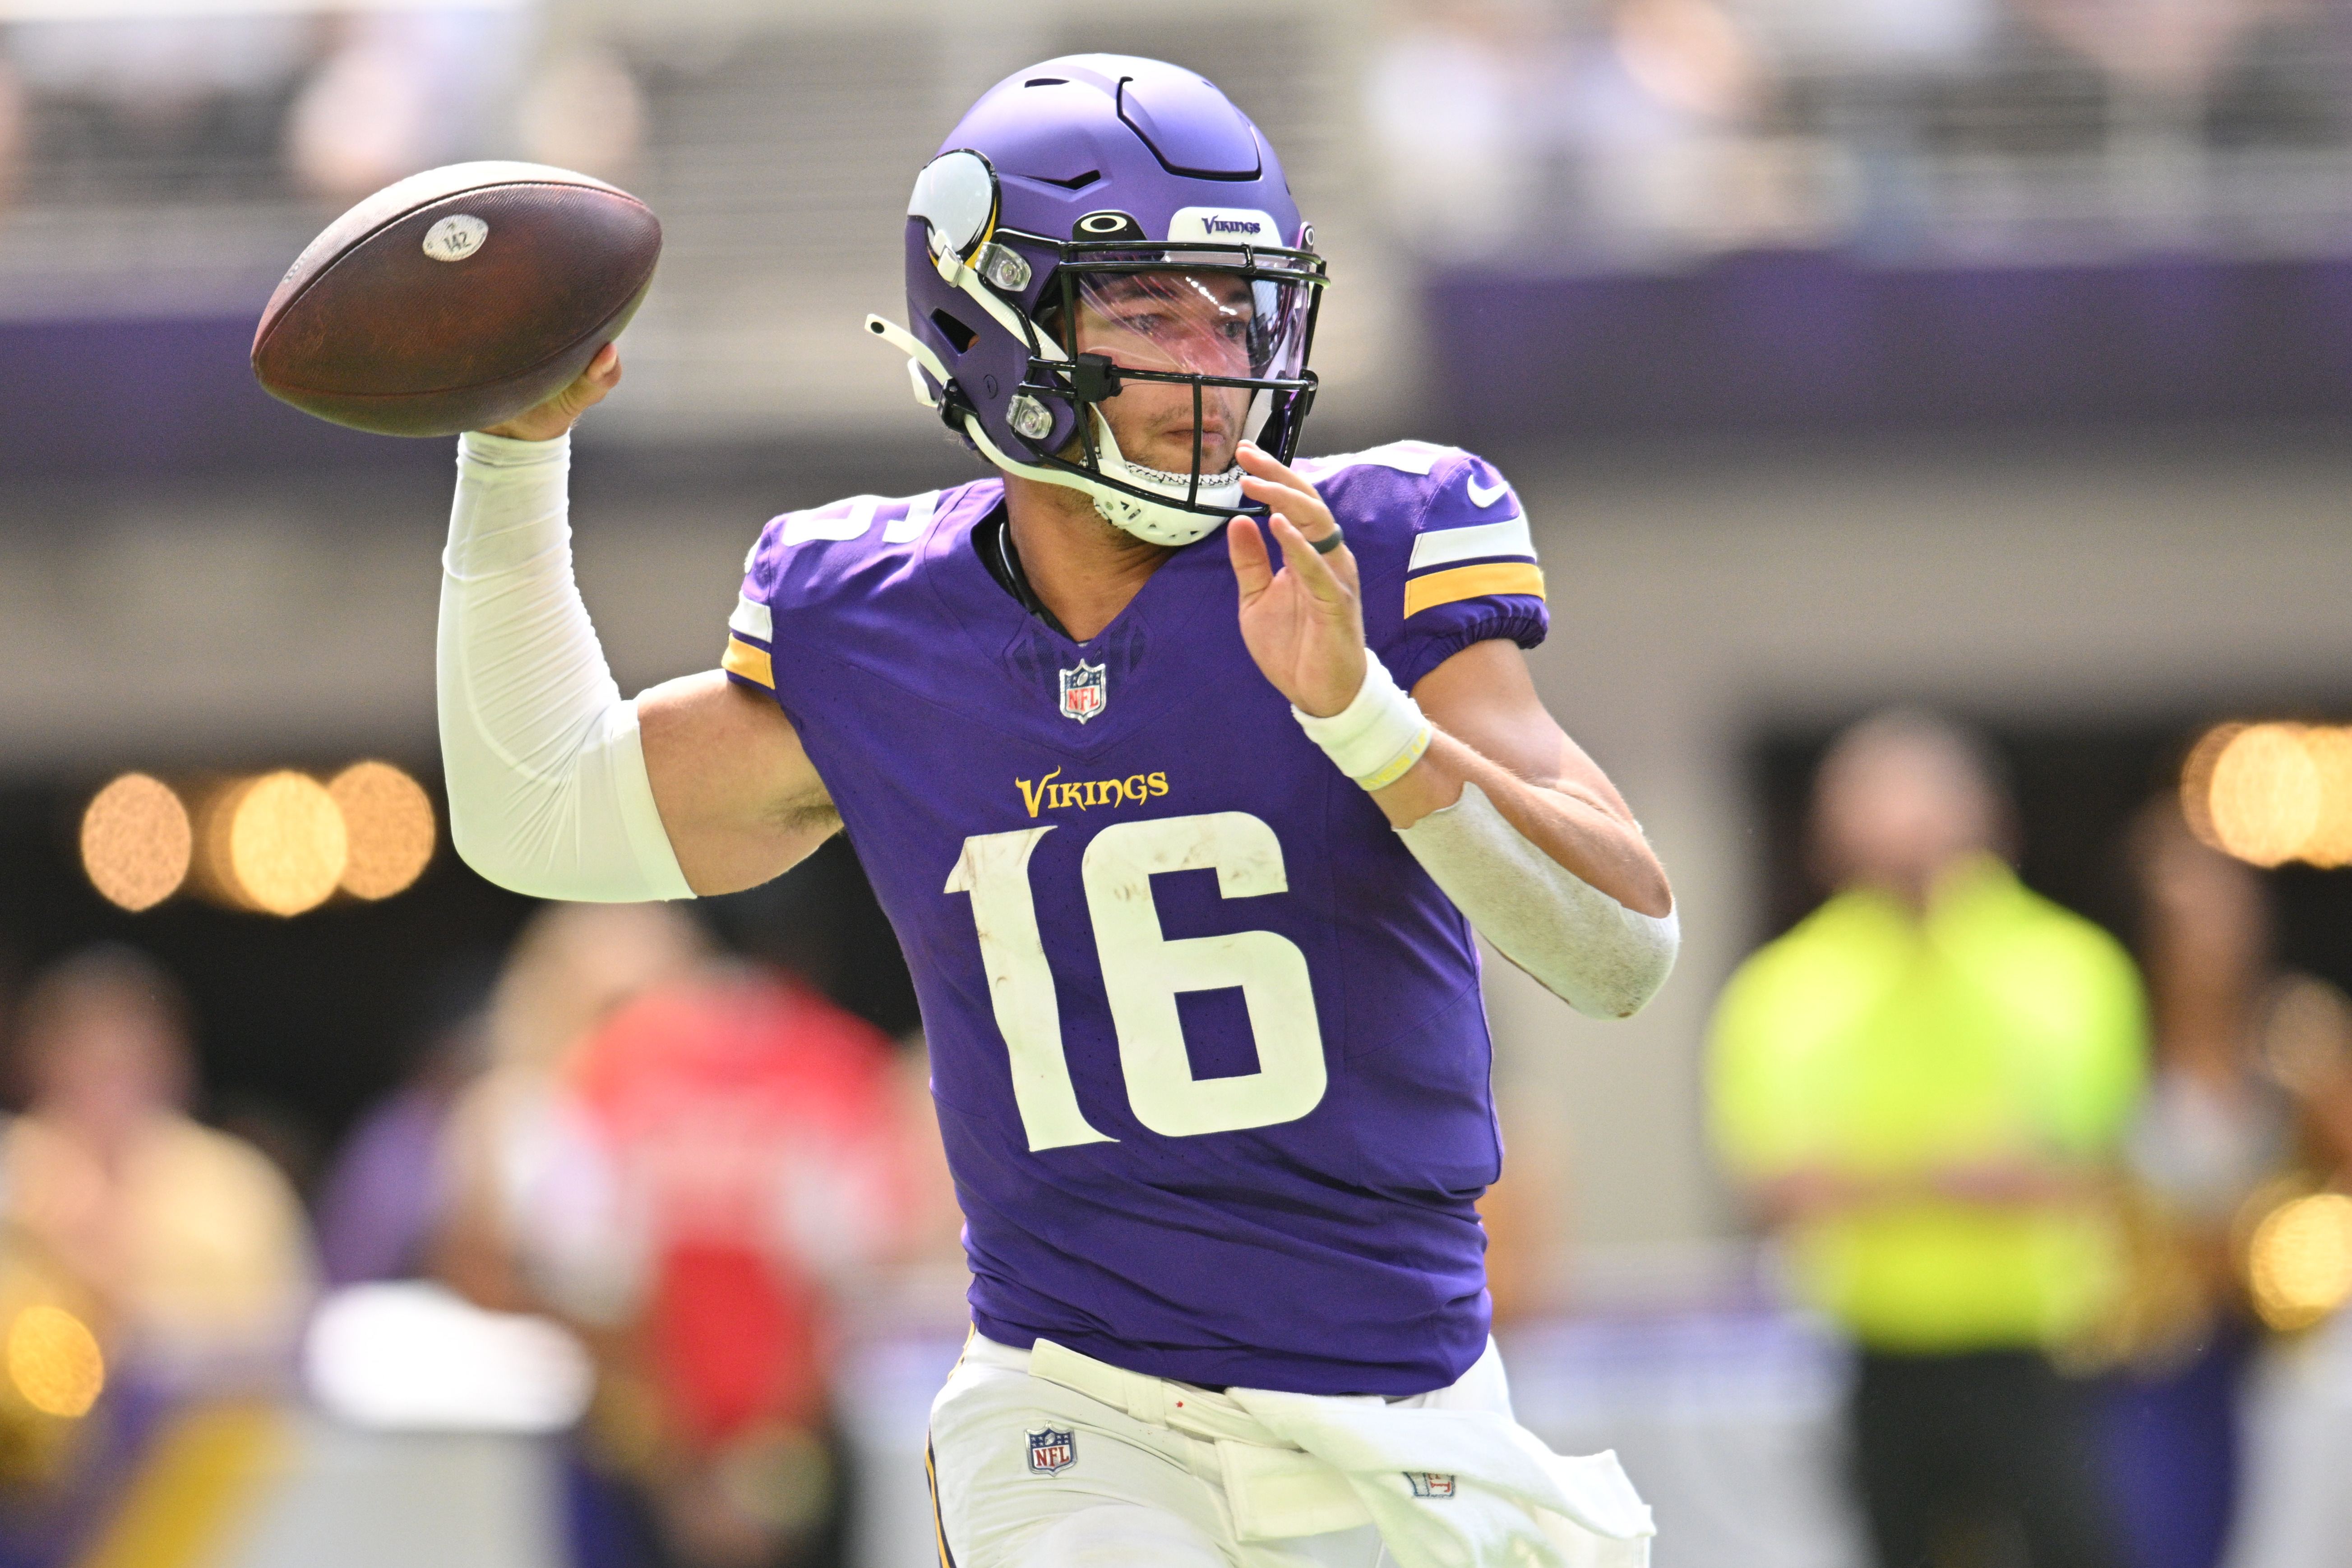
[1329, 542]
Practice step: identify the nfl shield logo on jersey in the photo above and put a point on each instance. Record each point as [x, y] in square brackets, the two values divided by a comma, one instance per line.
[1428, 1483]
[1085, 690]
[1051, 1452]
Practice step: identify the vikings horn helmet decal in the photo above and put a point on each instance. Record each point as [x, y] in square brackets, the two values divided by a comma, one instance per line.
[1133, 191]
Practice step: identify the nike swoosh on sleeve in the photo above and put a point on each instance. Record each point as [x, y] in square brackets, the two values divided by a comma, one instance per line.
[1482, 497]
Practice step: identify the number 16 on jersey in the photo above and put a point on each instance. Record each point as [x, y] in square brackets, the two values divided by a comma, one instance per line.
[1143, 971]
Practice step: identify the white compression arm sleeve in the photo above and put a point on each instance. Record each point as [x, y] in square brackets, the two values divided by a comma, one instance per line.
[1602, 958]
[548, 792]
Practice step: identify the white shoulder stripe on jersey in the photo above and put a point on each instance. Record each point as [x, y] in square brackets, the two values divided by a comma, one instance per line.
[802, 527]
[916, 523]
[752, 619]
[1415, 457]
[1475, 542]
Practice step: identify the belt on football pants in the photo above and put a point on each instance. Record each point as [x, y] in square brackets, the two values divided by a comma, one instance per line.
[1184, 1408]
[1275, 1489]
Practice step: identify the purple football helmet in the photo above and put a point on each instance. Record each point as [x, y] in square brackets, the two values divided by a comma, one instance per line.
[1130, 195]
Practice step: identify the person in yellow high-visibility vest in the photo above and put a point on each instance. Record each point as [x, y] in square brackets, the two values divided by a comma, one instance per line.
[1922, 1087]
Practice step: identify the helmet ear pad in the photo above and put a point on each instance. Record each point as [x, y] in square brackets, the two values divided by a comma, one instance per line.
[986, 362]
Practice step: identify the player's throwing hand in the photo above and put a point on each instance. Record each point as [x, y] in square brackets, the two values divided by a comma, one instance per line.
[1304, 626]
[560, 412]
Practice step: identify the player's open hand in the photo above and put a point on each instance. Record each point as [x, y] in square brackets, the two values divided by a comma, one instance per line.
[560, 412]
[1304, 625]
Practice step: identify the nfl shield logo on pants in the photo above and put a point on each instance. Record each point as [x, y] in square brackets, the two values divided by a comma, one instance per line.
[1085, 690]
[1051, 1452]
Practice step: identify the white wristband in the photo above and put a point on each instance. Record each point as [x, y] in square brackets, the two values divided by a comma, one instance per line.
[1378, 736]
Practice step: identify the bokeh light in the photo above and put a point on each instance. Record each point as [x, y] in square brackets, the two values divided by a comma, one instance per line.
[55, 1361]
[389, 825]
[2265, 795]
[279, 842]
[2197, 780]
[136, 841]
[2270, 793]
[2330, 840]
[212, 805]
[2300, 1261]
[286, 847]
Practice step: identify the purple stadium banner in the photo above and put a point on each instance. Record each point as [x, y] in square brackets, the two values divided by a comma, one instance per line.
[1808, 342]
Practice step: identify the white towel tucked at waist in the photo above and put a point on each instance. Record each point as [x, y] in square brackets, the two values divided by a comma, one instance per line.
[1447, 1488]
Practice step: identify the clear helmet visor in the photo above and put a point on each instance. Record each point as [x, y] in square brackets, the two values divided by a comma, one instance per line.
[1205, 349]
[1197, 321]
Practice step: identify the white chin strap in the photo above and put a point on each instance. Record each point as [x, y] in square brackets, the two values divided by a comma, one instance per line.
[1160, 523]
[1170, 523]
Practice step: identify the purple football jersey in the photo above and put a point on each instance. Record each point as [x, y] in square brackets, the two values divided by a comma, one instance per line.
[1207, 1044]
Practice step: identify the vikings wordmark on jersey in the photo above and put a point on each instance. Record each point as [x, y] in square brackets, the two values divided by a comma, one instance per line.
[1207, 1043]
[1054, 793]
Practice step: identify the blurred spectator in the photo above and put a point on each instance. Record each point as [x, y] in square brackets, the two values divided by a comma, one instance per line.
[2159, 59]
[408, 89]
[2250, 1102]
[190, 1241]
[572, 968]
[690, 1166]
[1640, 133]
[1500, 128]
[231, 105]
[1450, 100]
[1923, 1086]
[756, 1171]
[184, 101]
[525, 1191]
[1874, 71]
[386, 1196]
[2170, 49]
[1655, 110]
[582, 109]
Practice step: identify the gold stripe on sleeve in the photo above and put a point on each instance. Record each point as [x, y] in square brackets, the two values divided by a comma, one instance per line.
[751, 664]
[1471, 582]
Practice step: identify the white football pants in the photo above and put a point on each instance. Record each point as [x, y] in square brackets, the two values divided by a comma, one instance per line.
[1122, 1493]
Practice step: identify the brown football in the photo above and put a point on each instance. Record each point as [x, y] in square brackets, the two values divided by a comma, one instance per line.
[457, 299]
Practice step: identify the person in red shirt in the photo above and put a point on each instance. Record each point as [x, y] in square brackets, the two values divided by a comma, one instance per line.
[755, 1164]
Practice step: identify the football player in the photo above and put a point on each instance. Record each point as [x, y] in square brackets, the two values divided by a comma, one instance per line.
[1185, 770]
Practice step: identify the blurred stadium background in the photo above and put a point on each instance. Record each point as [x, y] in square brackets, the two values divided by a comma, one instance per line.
[1990, 354]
